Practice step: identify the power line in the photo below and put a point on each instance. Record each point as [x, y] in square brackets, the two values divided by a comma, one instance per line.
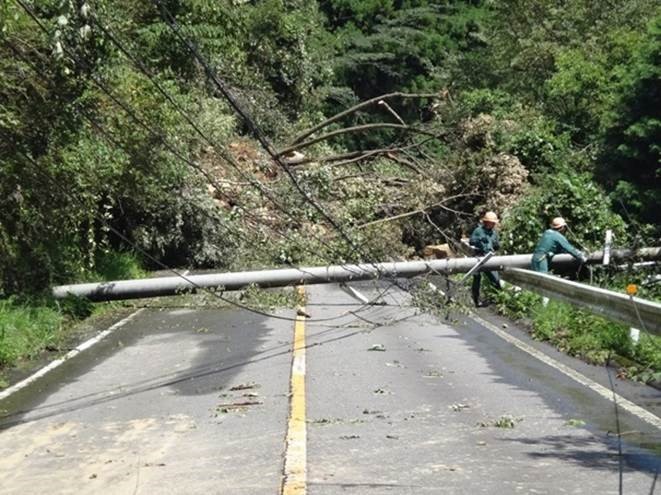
[162, 265]
[125, 107]
[114, 142]
[115, 231]
[133, 115]
[254, 128]
[141, 66]
[248, 120]
[171, 100]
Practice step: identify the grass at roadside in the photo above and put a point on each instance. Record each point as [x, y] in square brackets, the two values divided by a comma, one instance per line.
[26, 330]
[30, 325]
[584, 335]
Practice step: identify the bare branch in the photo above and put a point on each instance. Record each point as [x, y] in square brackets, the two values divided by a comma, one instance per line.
[355, 156]
[406, 163]
[440, 204]
[357, 128]
[390, 109]
[357, 107]
[359, 158]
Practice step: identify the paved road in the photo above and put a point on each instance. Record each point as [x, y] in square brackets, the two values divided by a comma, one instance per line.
[198, 402]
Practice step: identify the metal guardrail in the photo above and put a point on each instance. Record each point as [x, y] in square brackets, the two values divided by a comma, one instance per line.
[623, 308]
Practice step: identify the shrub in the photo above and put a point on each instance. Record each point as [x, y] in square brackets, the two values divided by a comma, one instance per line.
[571, 195]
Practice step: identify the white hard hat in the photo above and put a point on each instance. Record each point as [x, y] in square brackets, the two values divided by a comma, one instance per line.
[490, 216]
[558, 223]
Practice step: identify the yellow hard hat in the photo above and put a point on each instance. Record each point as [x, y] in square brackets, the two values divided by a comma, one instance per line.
[558, 223]
[490, 216]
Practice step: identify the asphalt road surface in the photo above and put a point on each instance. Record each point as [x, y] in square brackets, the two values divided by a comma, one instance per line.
[353, 399]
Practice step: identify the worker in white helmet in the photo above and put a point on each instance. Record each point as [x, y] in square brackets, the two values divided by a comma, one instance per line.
[551, 243]
[484, 239]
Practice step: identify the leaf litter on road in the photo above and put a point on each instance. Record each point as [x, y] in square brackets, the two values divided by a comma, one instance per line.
[244, 386]
[432, 374]
[505, 421]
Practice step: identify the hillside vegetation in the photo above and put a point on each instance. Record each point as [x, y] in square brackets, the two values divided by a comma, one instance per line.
[119, 152]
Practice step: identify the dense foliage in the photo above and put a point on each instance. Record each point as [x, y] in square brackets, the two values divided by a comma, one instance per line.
[115, 140]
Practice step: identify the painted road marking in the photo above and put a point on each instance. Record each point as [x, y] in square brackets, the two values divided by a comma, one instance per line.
[58, 362]
[606, 393]
[295, 468]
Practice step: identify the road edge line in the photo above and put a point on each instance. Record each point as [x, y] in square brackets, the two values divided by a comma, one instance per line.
[74, 352]
[606, 393]
[294, 478]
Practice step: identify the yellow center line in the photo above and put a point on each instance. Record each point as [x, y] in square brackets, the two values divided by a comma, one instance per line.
[295, 470]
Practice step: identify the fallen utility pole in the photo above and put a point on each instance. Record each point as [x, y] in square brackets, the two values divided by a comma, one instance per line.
[168, 286]
[613, 305]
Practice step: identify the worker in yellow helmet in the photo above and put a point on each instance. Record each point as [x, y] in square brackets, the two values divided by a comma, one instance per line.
[483, 240]
[551, 243]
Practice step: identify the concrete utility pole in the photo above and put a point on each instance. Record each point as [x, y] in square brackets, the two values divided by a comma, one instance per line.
[167, 286]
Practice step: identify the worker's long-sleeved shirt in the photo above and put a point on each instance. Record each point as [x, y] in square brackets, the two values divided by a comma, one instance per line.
[553, 242]
[484, 240]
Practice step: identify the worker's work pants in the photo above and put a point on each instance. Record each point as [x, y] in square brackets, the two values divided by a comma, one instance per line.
[493, 277]
[540, 262]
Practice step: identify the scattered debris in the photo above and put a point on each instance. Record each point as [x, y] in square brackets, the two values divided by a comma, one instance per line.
[505, 421]
[242, 404]
[458, 406]
[293, 157]
[382, 391]
[481, 443]
[577, 423]
[300, 312]
[438, 251]
[202, 330]
[367, 411]
[324, 421]
[392, 437]
[504, 325]
[331, 421]
[92, 476]
[244, 386]
[377, 347]
[422, 349]
[154, 464]
[395, 364]
[349, 437]
[236, 406]
[622, 434]
[433, 374]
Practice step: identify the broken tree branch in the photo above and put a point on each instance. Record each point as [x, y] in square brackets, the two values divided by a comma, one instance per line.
[356, 156]
[390, 109]
[406, 163]
[440, 204]
[358, 128]
[357, 107]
